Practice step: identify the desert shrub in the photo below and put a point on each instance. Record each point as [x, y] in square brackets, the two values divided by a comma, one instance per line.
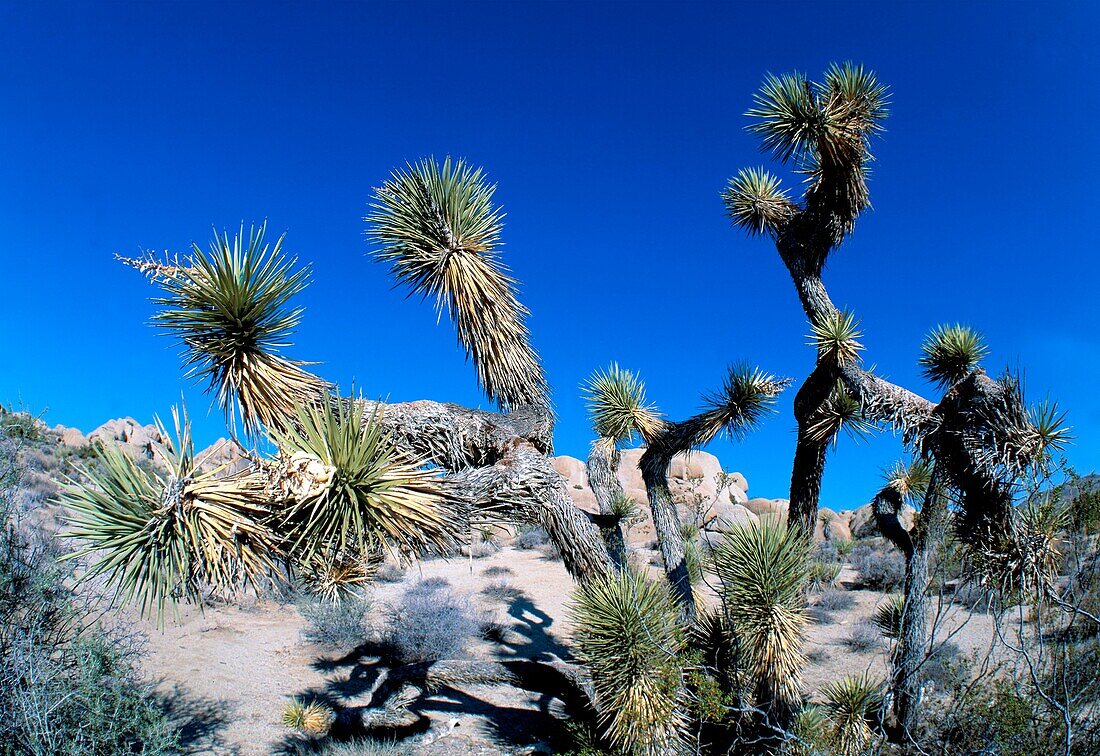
[497, 571]
[825, 552]
[823, 574]
[492, 629]
[989, 717]
[863, 637]
[829, 601]
[974, 596]
[342, 623]
[550, 551]
[817, 655]
[390, 573]
[880, 566]
[356, 747]
[502, 590]
[843, 546]
[481, 549]
[946, 667]
[67, 686]
[430, 623]
[531, 539]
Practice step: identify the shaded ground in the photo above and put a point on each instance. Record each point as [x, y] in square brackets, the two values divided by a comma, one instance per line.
[250, 661]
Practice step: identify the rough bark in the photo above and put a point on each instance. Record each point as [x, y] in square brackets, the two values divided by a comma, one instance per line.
[666, 520]
[603, 463]
[809, 453]
[497, 463]
[919, 545]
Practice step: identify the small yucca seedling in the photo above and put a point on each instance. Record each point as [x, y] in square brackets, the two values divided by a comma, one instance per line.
[313, 719]
[348, 488]
[950, 353]
[627, 631]
[625, 508]
[823, 574]
[854, 707]
[617, 405]
[334, 577]
[762, 569]
[888, 616]
[836, 337]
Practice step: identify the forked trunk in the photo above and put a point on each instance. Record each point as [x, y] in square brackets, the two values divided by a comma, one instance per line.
[603, 464]
[666, 522]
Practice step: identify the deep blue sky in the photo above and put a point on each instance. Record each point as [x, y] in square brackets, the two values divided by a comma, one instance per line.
[610, 129]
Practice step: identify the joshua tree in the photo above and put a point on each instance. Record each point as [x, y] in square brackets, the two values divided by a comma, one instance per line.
[981, 435]
[617, 399]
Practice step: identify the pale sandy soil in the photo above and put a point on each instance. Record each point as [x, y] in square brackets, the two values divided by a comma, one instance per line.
[242, 664]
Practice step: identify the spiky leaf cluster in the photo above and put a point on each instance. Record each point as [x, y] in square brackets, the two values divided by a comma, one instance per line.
[836, 337]
[349, 489]
[854, 708]
[617, 405]
[437, 228]
[825, 129]
[762, 570]
[950, 353]
[229, 308]
[627, 631]
[747, 396]
[756, 202]
[160, 538]
[888, 616]
[841, 411]
[912, 480]
[313, 719]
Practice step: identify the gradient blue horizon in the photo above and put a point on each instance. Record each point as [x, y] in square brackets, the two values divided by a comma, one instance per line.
[611, 130]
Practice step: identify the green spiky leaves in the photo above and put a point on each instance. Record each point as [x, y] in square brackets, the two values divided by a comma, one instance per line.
[889, 615]
[839, 412]
[229, 308]
[854, 707]
[950, 353]
[747, 396]
[825, 129]
[437, 228]
[762, 569]
[628, 633]
[617, 405]
[756, 202]
[912, 480]
[349, 490]
[836, 338]
[161, 538]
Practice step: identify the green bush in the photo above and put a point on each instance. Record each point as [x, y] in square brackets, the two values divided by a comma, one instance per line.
[67, 686]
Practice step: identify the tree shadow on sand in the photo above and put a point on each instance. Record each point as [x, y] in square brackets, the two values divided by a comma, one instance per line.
[515, 718]
[199, 721]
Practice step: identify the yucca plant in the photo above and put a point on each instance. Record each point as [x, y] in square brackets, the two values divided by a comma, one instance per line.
[912, 480]
[854, 711]
[950, 353]
[313, 719]
[823, 574]
[436, 226]
[347, 488]
[627, 631]
[164, 537]
[747, 396]
[888, 616]
[762, 571]
[229, 309]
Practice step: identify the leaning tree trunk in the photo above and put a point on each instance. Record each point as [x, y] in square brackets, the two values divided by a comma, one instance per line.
[498, 464]
[603, 464]
[919, 546]
[666, 522]
[809, 452]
